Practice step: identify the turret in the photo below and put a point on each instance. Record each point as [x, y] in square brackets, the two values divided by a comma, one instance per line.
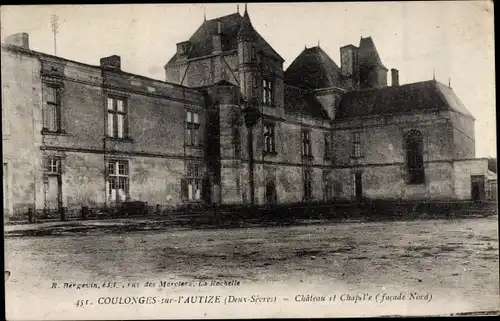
[246, 57]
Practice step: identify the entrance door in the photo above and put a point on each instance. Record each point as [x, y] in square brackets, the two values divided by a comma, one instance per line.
[477, 188]
[358, 185]
[270, 193]
[5, 191]
[52, 195]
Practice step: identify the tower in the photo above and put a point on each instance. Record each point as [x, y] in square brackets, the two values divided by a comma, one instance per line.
[246, 58]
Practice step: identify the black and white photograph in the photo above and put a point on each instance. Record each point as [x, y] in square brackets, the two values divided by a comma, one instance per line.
[249, 160]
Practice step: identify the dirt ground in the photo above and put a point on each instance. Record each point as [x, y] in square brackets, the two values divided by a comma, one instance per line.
[456, 261]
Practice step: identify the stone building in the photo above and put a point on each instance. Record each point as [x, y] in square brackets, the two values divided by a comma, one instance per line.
[229, 126]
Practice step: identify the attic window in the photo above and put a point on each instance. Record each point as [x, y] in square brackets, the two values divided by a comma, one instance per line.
[183, 47]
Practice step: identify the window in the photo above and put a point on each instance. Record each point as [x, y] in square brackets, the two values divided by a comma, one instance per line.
[51, 109]
[253, 53]
[414, 157]
[192, 184]
[269, 138]
[267, 92]
[53, 165]
[237, 141]
[307, 184]
[356, 145]
[117, 180]
[192, 129]
[117, 117]
[327, 146]
[306, 143]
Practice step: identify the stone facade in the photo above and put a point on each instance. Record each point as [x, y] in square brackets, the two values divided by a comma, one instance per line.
[228, 123]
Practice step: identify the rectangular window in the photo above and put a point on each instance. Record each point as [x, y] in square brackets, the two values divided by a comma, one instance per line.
[53, 165]
[269, 139]
[307, 184]
[117, 117]
[306, 143]
[237, 141]
[118, 180]
[356, 145]
[192, 184]
[192, 129]
[51, 108]
[267, 92]
[327, 142]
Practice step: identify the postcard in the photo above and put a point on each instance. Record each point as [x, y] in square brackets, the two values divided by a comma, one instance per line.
[249, 160]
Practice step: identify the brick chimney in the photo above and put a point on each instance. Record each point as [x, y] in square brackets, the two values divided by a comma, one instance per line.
[216, 39]
[395, 77]
[18, 39]
[112, 62]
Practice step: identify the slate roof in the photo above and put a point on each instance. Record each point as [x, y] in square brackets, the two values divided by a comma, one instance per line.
[314, 69]
[368, 55]
[427, 95]
[202, 44]
[299, 101]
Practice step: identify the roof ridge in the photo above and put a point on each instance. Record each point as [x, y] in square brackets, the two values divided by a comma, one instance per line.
[225, 16]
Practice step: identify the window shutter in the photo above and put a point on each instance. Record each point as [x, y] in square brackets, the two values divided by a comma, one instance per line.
[184, 189]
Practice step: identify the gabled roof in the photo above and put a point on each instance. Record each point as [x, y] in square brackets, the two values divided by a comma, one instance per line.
[299, 101]
[427, 95]
[314, 69]
[231, 25]
[368, 55]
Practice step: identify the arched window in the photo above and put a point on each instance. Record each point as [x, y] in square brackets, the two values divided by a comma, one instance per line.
[415, 157]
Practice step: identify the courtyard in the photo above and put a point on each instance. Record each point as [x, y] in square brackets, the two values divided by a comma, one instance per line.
[456, 261]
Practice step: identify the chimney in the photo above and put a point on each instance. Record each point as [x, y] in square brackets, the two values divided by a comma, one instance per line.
[19, 40]
[216, 40]
[395, 77]
[112, 62]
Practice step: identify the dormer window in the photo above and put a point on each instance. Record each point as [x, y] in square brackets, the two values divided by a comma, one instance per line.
[183, 47]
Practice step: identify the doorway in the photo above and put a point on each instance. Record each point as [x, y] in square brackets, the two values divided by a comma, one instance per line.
[271, 197]
[6, 191]
[53, 196]
[477, 188]
[358, 186]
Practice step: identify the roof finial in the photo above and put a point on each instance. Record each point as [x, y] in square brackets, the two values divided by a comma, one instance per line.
[449, 82]
[237, 8]
[433, 74]
[204, 13]
[245, 7]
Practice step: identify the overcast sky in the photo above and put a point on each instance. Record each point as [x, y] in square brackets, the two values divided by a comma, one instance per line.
[453, 38]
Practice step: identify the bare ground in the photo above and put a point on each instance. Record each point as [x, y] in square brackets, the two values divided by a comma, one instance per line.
[456, 260]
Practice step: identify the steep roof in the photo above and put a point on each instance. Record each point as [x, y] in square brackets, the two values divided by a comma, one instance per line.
[427, 95]
[300, 101]
[246, 28]
[231, 25]
[314, 69]
[368, 55]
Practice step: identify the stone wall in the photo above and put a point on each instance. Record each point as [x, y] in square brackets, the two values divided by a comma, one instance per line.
[21, 132]
[463, 170]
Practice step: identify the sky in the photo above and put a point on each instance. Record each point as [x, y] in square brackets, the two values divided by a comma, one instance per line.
[453, 40]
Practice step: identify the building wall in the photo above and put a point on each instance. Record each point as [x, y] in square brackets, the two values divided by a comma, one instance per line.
[383, 157]
[464, 146]
[463, 170]
[153, 180]
[21, 132]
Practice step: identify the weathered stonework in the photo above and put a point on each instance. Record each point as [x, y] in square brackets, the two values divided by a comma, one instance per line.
[223, 69]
